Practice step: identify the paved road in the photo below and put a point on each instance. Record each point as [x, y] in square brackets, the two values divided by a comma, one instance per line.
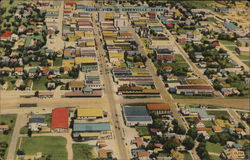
[12, 147]
[237, 118]
[109, 92]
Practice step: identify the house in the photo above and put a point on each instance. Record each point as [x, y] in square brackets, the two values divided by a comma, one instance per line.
[198, 56]
[76, 85]
[230, 26]
[60, 120]
[217, 128]
[143, 155]
[159, 109]
[91, 131]
[138, 142]
[136, 115]
[202, 114]
[233, 154]
[105, 154]
[191, 90]
[200, 125]
[6, 36]
[36, 124]
[89, 113]
[164, 55]
[229, 91]
[177, 155]
[4, 128]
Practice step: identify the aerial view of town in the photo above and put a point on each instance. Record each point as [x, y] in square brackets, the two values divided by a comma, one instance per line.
[124, 80]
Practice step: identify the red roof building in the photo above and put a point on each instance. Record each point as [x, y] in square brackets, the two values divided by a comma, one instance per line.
[60, 121]
[216, 43]
[6, 34]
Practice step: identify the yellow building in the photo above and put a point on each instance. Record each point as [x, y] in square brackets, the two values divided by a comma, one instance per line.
[89, 113]
[79, 60]
[119, 56]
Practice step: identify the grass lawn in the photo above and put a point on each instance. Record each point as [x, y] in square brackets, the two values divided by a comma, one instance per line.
[244, 57]
[213, 157]
[58, 62]
[48, 145]
[247, 63]
[40, 84]
[82, 152]
[225, 42]
[179, 58]
[187, 156]
[232, 48]
[34, 64]
[212, 147]
[214, 107]
[143, 131]
[219, 114]
[8, 119]
[208, 124]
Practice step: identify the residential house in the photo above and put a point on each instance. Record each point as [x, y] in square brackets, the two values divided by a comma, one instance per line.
[36, 124]
[4, 128]
[233, 154]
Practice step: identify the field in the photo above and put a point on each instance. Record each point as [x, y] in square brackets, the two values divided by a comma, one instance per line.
[143, 131]
[227, 43]
[215, 148]
[40, 84]
[213, 157]
[208, 124]
[54, 146]
[8, 119]
[219, 114]
[187, 156]
[82, 152]
[58, 62]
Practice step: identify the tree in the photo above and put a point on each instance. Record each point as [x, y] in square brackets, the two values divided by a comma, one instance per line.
[29, 132]
[188, 142]
[192, 132]
[201, 138]
[214, 138]
[202, 152]
[20, 152]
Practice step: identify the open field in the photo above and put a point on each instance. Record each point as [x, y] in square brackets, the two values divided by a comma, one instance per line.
[10, 120]
[219, 114]
[142, 131]
[82, 152]
[215, 148]
[54, 146]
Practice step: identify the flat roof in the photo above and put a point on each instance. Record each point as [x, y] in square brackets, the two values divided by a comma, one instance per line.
[136, 113]
[91, 127]
[89, 112]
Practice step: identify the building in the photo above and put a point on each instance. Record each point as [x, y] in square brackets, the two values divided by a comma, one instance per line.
[89, 113]
[136, 115]
[4, 128]
[233, 154]
[202, 114]
[36, 124]
[90, 131]
[45, 94]
[159, 109]
[191, 90]
[164, 55]
[60, 120]
[76, 85]
[159, 42]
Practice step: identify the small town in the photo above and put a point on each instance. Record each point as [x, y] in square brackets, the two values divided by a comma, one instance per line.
[124, 80]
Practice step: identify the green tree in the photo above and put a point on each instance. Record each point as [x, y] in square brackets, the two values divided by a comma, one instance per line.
[188, 142]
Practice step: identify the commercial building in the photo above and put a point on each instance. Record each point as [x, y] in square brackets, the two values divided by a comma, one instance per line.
[88, 131]
[89, 113]
[136, 115]
[159, 109]
[191, 90]
[60, 120]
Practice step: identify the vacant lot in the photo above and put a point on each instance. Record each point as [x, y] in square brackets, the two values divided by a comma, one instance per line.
[82, 152]
[142, 131]
[219, 114]
[8, 119]
[40, 84]
[53, 146]
[215, 148]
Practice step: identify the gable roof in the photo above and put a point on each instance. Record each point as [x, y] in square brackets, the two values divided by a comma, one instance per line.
[60, 118]
[158, 106]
